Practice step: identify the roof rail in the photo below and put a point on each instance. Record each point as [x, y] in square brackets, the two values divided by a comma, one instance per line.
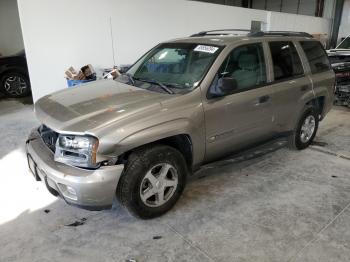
[217, 32]
[279, 33]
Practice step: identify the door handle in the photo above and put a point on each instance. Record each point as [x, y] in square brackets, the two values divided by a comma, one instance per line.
[304, 87]
[264, 99]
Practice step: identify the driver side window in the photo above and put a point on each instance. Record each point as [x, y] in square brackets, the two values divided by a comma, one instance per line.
[245, 65]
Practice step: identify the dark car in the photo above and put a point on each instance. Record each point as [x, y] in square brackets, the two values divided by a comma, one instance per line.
[14, 77]
[340, 60]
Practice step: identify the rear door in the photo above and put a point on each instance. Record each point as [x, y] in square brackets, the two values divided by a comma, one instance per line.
[245, 116]
[321, 74]
[290, 83]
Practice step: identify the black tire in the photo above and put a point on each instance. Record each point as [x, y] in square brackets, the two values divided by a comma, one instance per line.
[15, 75]
[294, 140]
[138, 164]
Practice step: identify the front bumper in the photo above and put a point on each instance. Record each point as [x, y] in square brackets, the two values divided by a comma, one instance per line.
[88, 189]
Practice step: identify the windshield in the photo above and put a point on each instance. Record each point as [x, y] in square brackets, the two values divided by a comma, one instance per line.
[345, 44]
[178, 66]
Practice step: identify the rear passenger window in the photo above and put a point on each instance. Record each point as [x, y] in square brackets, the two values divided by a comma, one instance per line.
[286, 61]
[316, 56]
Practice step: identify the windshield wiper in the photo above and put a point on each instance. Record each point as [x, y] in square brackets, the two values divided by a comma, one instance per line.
[130, 78]
[152, 81]
[173, 85]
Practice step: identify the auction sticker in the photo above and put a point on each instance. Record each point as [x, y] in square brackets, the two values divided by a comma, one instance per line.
[206, 49]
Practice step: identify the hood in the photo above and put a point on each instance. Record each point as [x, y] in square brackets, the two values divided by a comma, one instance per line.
[339, 58]
[94, 105]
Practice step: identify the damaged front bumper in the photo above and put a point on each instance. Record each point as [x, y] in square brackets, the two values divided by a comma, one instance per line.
[88, 189]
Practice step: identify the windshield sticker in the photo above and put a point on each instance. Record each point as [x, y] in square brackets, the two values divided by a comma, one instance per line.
[206, 49]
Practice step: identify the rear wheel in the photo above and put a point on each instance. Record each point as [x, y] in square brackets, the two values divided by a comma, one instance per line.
[306, 130]
[152, 181]
[14, 84]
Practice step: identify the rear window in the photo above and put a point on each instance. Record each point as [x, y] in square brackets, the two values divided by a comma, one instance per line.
[286, 61]
[316, 56]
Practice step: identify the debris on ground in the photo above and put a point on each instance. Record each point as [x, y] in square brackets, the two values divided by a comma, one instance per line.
[319, 143]
[79, 222]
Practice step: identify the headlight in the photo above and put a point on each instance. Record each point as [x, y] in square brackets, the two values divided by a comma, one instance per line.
[76, 150]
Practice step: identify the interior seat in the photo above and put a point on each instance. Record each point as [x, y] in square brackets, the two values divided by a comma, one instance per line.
[247, 75]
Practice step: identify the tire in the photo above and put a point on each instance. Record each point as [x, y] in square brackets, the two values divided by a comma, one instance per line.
[298, 140]
[137, 181]
[14, 84]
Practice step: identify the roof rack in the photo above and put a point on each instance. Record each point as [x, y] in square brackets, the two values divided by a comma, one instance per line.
[217, 32]
[279, 33]
[250, 33]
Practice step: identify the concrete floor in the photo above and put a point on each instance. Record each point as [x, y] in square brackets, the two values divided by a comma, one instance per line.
[269, 204]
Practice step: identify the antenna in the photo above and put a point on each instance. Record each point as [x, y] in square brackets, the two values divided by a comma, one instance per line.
[112, 39]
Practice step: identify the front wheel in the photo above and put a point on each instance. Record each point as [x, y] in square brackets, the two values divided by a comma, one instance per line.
[152, 181]
[305, 131]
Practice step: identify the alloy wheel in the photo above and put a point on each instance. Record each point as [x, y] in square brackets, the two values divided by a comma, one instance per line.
[159, 185]
[15, 85]
[307, 129]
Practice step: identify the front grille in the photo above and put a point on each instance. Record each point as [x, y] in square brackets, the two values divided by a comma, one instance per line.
[49, 137]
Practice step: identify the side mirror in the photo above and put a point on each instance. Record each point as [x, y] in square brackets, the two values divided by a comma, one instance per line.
[225, 86]
[228, 85]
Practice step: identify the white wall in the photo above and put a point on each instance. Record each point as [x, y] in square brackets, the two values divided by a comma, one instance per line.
[58, 34]
[344, 29]
[10, 28]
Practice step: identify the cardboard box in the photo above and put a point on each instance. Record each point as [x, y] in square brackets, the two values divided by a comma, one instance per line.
[87, 72]
[71, 73]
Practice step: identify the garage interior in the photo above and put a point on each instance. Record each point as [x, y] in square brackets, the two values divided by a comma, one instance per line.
[266, 203]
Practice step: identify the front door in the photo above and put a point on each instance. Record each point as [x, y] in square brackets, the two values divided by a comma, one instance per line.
[245, 115]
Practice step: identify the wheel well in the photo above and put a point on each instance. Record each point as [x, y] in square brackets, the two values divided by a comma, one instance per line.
[318, 103]
[182, 143]
[13, 70]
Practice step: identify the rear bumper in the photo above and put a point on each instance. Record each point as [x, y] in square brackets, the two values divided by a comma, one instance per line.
[88, 189]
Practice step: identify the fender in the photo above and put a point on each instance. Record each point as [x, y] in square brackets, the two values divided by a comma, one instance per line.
[181, 126]
[299, 109]
[6, 68]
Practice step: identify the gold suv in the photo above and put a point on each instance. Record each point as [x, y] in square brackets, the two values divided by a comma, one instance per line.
[184, 103]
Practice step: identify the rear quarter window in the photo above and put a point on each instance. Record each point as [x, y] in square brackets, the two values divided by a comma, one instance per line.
[317, 57]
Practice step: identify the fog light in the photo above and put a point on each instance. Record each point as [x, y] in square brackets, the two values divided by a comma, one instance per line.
[71, 190]
[68, 191]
